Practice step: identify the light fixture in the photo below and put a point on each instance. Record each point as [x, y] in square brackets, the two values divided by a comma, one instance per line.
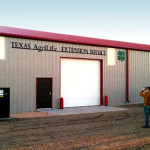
[111, 56]
[2, 48]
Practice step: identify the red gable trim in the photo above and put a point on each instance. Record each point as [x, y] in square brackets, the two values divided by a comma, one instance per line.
[48, 36]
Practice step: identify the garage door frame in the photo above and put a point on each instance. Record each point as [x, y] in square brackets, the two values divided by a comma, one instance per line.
[101, 75]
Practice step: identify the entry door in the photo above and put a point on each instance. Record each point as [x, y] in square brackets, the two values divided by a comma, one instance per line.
[44, 92]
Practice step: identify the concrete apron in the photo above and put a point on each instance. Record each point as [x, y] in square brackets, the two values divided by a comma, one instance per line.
[80, 110]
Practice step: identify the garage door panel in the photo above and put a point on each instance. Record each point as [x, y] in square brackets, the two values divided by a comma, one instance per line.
[80, 102]
[80, 82]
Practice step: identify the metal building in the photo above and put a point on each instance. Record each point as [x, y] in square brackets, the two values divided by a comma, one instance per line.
[40, 67]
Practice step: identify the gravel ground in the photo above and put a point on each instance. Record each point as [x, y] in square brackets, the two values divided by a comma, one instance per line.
[100, 131]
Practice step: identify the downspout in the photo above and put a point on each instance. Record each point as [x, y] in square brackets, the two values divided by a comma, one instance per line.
[101, 82]
[127, 76]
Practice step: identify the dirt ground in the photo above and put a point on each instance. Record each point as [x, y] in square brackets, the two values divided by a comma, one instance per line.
[30, 115]
[100, 131]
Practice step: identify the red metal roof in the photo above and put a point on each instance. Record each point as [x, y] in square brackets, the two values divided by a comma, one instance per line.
[48, 36]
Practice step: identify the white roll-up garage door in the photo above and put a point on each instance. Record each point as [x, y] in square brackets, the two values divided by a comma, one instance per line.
[80, 82]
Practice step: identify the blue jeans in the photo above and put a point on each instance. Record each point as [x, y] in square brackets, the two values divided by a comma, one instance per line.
[146, 111]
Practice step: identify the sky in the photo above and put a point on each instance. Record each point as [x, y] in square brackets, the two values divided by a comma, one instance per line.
[120, 20]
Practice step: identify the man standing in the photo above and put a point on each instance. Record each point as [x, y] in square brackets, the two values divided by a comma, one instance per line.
[146, 96]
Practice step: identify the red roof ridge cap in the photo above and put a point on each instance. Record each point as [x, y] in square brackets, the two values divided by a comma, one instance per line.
[59, 37]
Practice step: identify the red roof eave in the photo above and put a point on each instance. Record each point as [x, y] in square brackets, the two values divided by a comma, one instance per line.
[48, 36]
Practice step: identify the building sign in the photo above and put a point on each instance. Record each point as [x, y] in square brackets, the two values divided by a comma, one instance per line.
[121, 55]
[40, 48]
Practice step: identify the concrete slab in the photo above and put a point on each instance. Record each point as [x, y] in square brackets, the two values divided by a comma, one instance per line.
[80, 110]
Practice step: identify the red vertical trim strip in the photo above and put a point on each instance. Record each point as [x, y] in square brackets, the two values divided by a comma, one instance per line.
[127, 76]
[101, 82]
[60, 77]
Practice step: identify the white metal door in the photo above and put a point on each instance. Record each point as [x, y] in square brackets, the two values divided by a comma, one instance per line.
[80, 82]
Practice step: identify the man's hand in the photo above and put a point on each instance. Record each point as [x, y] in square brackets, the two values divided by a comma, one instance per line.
[142, 93]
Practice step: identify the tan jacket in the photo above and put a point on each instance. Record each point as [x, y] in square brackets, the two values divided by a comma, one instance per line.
[146, 96]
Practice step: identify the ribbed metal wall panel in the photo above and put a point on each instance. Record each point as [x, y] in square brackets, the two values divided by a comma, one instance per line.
[139, 74]
[22, 67]
[115, 81]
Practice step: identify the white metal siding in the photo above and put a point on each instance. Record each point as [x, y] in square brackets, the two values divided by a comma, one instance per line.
[115, 81]
[139, 74]
[21, 68]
